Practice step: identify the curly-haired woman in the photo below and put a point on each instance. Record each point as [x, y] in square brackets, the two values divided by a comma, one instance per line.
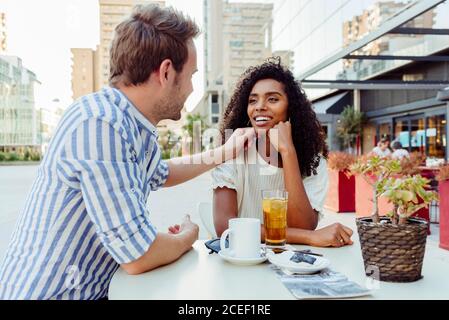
[266, 98]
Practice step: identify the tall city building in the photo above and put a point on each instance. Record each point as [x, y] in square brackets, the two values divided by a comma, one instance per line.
[19, 122]
[371, 18]
[49, 117]
[237, 35]
[83, 76]
[3, 34]
[112, 12]
[246, 39]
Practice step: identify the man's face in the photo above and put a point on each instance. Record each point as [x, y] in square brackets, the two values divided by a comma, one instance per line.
[182, 87]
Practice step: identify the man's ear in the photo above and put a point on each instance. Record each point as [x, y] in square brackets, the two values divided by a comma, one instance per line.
[166, 72]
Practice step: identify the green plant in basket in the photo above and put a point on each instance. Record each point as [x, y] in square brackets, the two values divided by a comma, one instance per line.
[394, 245]
[375, 170]
[404, 193]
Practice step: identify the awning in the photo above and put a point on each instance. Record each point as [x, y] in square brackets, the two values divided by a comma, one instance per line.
[333, 105]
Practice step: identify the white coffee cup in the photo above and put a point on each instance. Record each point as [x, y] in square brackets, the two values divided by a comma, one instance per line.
[244, 238]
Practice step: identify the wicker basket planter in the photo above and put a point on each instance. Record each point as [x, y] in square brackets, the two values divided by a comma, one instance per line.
[396, 251]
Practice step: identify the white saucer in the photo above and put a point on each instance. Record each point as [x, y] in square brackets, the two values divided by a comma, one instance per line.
[282, 260]
[241, 261]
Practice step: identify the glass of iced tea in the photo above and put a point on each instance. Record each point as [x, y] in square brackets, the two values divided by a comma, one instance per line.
[274, 204]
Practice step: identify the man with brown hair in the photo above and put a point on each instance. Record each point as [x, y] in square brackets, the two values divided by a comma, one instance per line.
[87, 213]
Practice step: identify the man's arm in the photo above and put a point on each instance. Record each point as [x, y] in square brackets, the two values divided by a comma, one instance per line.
[109, 184]
[165, 249]
[185, 168]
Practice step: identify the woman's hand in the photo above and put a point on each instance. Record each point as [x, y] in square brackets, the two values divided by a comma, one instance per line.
[334, 235]
[281, 137]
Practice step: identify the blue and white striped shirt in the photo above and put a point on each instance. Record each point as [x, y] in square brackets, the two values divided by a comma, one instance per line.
[86, 212]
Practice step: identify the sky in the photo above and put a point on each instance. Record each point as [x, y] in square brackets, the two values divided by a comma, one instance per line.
[42, 33]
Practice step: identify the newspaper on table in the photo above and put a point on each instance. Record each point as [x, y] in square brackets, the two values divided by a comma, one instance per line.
[326, 284]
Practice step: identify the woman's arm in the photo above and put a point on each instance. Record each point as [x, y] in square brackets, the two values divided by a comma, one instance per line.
[225, 208]
[334, 235]
[300, 213]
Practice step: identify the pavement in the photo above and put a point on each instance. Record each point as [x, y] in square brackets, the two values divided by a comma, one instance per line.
[167, 206]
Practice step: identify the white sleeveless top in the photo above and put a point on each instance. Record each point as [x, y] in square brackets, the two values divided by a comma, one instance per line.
[249, 174]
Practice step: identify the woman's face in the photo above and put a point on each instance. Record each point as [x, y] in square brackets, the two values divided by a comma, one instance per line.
[267, 104]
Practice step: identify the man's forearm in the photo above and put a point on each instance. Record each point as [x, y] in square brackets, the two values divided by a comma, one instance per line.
[165, 249]
[183, 169]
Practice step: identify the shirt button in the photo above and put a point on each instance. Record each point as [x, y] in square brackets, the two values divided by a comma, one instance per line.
[133, 190]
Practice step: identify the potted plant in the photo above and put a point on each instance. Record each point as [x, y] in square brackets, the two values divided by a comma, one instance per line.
[443, 189]
[341, 194]
[371, 172]
[411, 166]
[350, 127]
[395, 244]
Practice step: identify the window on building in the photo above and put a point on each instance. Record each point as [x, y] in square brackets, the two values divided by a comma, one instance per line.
[418, 135]
[215, 108]
[436, 136]
[413, 77]
[236, 43]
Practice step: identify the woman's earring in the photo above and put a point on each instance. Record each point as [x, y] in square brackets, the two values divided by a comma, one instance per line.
[248, 124]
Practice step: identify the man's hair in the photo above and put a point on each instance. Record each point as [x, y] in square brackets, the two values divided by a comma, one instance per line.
[149, 36]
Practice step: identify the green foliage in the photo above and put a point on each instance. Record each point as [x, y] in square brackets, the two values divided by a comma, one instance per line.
[190, 120]
[376, 166]
[405, 192]
[350, 126]
[169, 143]
[193, 120]
[35, 156]
[379, 169]
[12, 156]
[27, 155]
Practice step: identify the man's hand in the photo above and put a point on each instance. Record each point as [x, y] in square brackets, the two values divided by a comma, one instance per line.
[174, 229]
[241, 138]
[281, 137]
[166, 248]
[187, 227]
[334, 235]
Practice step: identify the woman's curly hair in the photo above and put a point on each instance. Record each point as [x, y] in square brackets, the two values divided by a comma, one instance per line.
[307, 132]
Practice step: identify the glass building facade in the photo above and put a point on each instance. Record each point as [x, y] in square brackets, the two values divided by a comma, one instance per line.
[18, 116]
[315, 30]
